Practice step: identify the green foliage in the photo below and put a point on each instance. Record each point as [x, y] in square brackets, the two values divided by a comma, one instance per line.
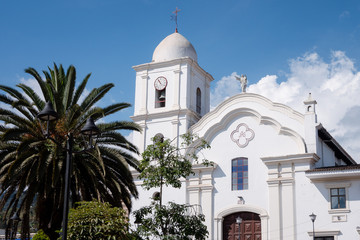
[40, 235]
[32, 166]
[164, 163]
[96, 220]
[172, 222]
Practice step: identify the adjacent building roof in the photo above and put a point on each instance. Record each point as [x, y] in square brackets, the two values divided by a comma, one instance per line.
[340, 153]
[338, 173]
[335, 168]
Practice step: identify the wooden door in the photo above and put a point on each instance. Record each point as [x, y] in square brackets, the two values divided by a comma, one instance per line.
[250, 227]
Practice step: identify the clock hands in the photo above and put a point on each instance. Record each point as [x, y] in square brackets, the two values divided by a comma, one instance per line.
[160, 83]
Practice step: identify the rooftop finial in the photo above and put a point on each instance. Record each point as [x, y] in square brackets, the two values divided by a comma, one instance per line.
[175, 18]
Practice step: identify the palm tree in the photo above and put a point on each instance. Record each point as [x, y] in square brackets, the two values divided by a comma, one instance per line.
[32, 166]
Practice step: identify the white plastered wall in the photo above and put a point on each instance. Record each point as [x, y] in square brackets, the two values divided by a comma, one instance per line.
[274, 136]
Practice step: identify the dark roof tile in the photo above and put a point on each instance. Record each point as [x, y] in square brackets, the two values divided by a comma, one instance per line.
[334, 168]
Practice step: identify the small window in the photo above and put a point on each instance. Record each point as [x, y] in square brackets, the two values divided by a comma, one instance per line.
[239, 170]
[156, 196]
[158, 138]
[198, 100]
[160, 98]
[338, 198]
[324, 238]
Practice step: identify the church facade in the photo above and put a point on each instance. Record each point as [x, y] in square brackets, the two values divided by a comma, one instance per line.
[273, 167]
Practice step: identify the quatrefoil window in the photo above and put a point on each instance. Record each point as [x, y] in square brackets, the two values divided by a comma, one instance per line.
[242, 135]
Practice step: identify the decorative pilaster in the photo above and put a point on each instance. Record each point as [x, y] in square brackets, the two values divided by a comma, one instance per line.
[200, 192]
[274, 209]
[144, 131]
[288, 209]
[175, 125]
[281, 184]
[144, 94]
[218, 228]
[177, 87]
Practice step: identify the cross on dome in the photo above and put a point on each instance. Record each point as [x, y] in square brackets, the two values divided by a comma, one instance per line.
[175, 18]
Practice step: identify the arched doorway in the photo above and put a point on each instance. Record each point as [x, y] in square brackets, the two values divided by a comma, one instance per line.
[250, 226]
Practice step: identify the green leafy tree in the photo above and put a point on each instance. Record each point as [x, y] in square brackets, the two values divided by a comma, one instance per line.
[40, 235]
[32, 166]
[97, 220]
[170, 222]
[163, 164]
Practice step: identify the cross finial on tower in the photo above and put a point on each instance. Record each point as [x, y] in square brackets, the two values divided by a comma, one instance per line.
[175, 18]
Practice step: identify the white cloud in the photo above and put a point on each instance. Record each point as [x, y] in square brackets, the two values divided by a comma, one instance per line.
[226, 87]
[335, 85]
[344, 14]
[31, 82]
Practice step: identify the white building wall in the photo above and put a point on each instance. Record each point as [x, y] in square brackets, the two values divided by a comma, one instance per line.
[268, 141]
[278, 184]
[284, 147]
[314, 197]
[327, 156]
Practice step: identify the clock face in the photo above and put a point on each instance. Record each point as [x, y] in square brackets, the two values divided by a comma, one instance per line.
[160, 83]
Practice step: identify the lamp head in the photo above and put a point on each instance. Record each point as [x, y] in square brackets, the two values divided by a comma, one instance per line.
[90, 129]
[312, 217]
[48, 113]
[15, 217]
[238, 220]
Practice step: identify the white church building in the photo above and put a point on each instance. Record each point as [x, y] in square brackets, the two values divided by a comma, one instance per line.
[273, 167]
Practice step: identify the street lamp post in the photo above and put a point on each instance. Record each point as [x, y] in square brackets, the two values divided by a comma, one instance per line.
[313, 218]
[49, 114]
[238, 222]
[15, 219]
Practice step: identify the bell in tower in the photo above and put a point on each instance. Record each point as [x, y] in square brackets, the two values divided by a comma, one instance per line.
[161, 97]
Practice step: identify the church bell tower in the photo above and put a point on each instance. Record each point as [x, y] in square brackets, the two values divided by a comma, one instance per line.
[172, 92]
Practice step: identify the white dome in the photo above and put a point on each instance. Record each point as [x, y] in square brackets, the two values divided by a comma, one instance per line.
[172, 47]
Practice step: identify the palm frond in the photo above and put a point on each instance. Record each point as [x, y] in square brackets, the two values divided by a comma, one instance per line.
[116, 139]
[32, 95]
[95, 95]
[13, 134]
[120, 125]
[40, 81]
[17, 120]
[25, 108]
[80, 121]
[5, 99]
[115, 108]
[12, 92]
[80, 89]
[69, 86]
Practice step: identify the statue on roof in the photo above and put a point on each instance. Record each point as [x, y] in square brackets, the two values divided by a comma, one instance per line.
[243, 81]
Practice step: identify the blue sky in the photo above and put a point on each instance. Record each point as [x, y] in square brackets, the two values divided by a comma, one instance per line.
[286, 48]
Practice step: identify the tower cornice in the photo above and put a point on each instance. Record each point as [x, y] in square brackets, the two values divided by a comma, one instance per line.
[164, 114]
[186, 60]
